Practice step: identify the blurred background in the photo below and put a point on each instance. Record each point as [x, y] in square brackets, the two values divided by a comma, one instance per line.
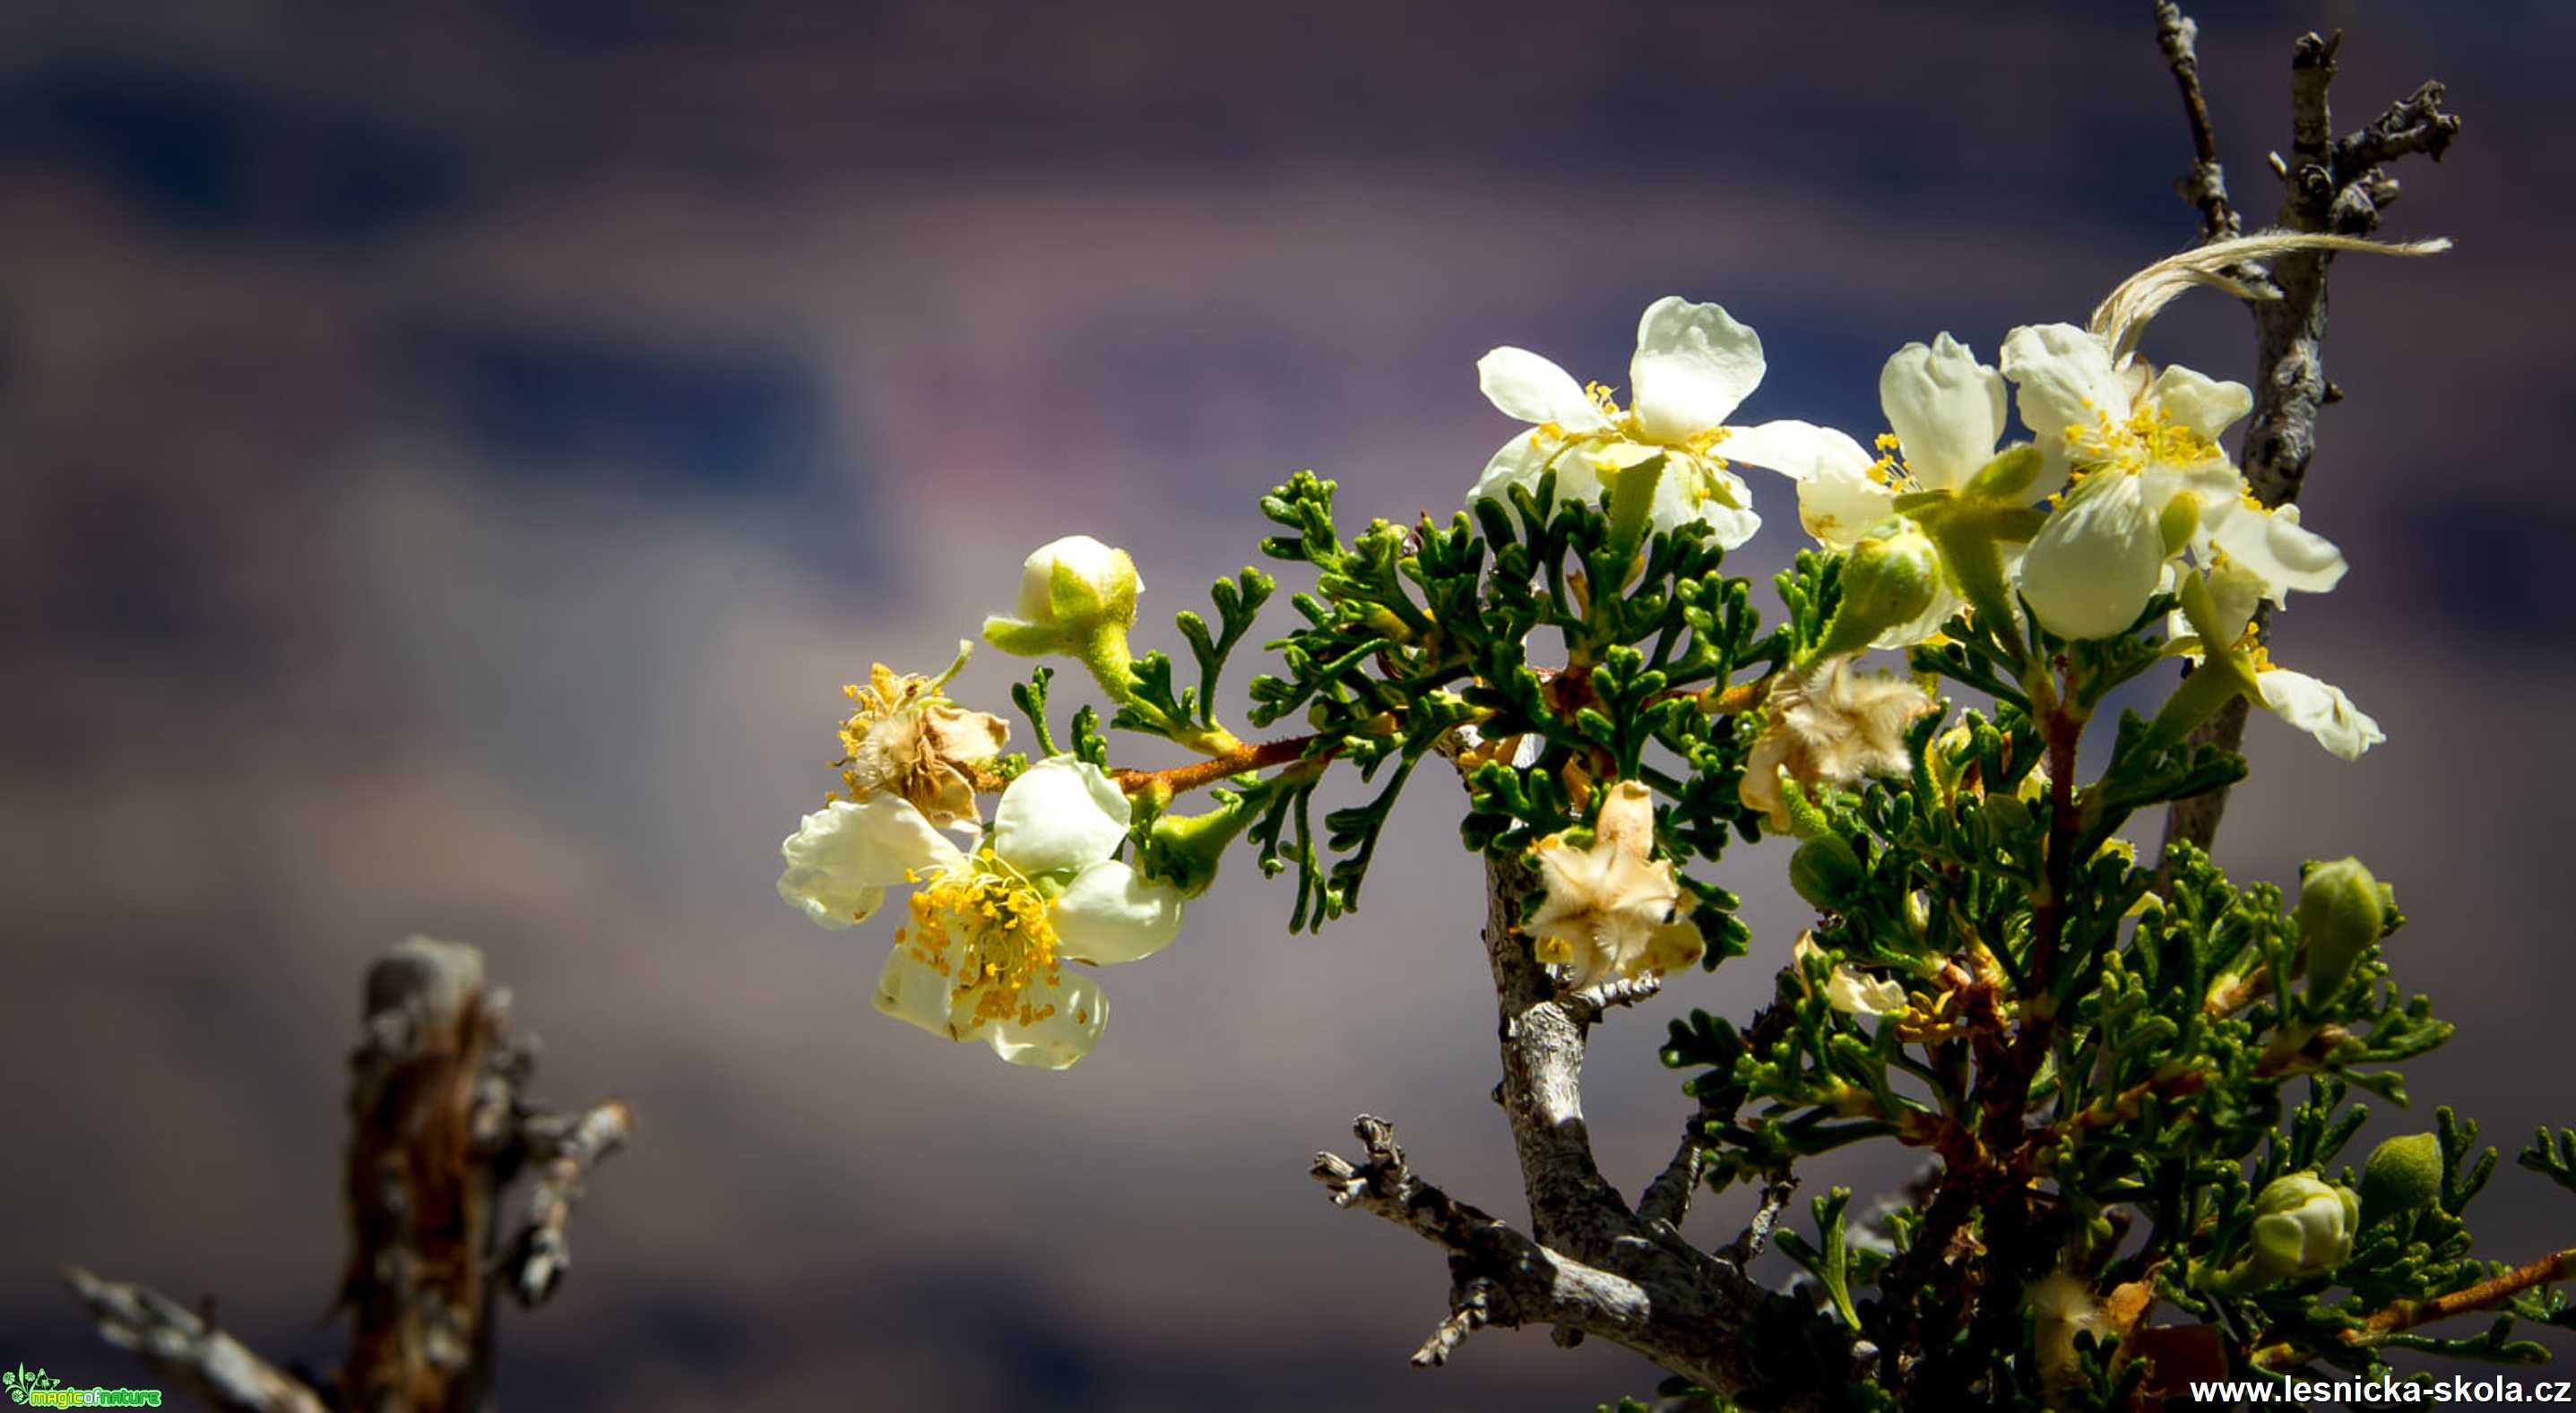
[452, 452]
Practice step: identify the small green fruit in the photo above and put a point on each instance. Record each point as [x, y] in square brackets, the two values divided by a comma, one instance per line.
[2341, 908]
[2404, 1174]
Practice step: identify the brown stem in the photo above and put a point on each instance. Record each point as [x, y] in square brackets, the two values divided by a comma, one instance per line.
[1182, 778]
[2485, 1295]
[2405, 1315]
[2206, 185]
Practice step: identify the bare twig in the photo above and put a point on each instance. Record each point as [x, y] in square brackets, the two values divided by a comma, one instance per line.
[1677, 1307]
[1766, 1219]
[184, 1347]
[565, 1149]
[2205, 186]
[2329, 185]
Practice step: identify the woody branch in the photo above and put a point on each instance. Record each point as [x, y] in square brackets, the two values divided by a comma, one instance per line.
[440, 1127]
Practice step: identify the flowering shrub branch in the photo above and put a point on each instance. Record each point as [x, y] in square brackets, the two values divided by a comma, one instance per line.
[2129, 1078]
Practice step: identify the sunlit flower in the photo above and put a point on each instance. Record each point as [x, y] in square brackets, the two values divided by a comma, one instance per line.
[1947, 412]
[1693, 366]
[907, 739]
[1607, 910]
[2150, 480]
[1831, 726]
[2318, 708]
[983, 953]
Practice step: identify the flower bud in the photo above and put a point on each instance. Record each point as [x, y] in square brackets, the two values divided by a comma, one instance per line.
[2303, 1226]
[1069, 590]
[2404, 1174]
[2341, 909]
[1825, 872]
[1888, 581]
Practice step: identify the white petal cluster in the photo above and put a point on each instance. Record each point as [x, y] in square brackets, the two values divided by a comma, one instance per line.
[2149, 482]
[984, 953]
[1693, 367]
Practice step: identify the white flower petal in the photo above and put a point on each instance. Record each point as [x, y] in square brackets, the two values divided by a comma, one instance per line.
[1521, 384]
[2275, 550]
[2091, 569]
[1061, 813]
[1111, 913]
[2213, 479]
[1798, 450]
[1853, 994]
[843, 857]
[1946, 408]
[1702, 492]
[1523, 459]
[909, 991]
[1065, 1036]
[2065, 379]
[2321, 710]
[2199, 402]
[1694, 365]
[1839, 506]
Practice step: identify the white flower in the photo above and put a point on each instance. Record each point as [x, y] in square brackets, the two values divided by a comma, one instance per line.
[1694, 365]
[2151, 480]
[2318, 708]
[990, 932]
[1607, 910]
[1947, 412]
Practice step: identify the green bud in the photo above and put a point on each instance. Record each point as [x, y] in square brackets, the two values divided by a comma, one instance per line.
[2303, 1226]
[2009, 475]
[1071, 591]
[2404, 1175]
[1825, 872]
[2341, 908]
[1888, 581]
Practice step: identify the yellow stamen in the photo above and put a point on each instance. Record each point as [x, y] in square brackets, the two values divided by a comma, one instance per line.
[2151, 435]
